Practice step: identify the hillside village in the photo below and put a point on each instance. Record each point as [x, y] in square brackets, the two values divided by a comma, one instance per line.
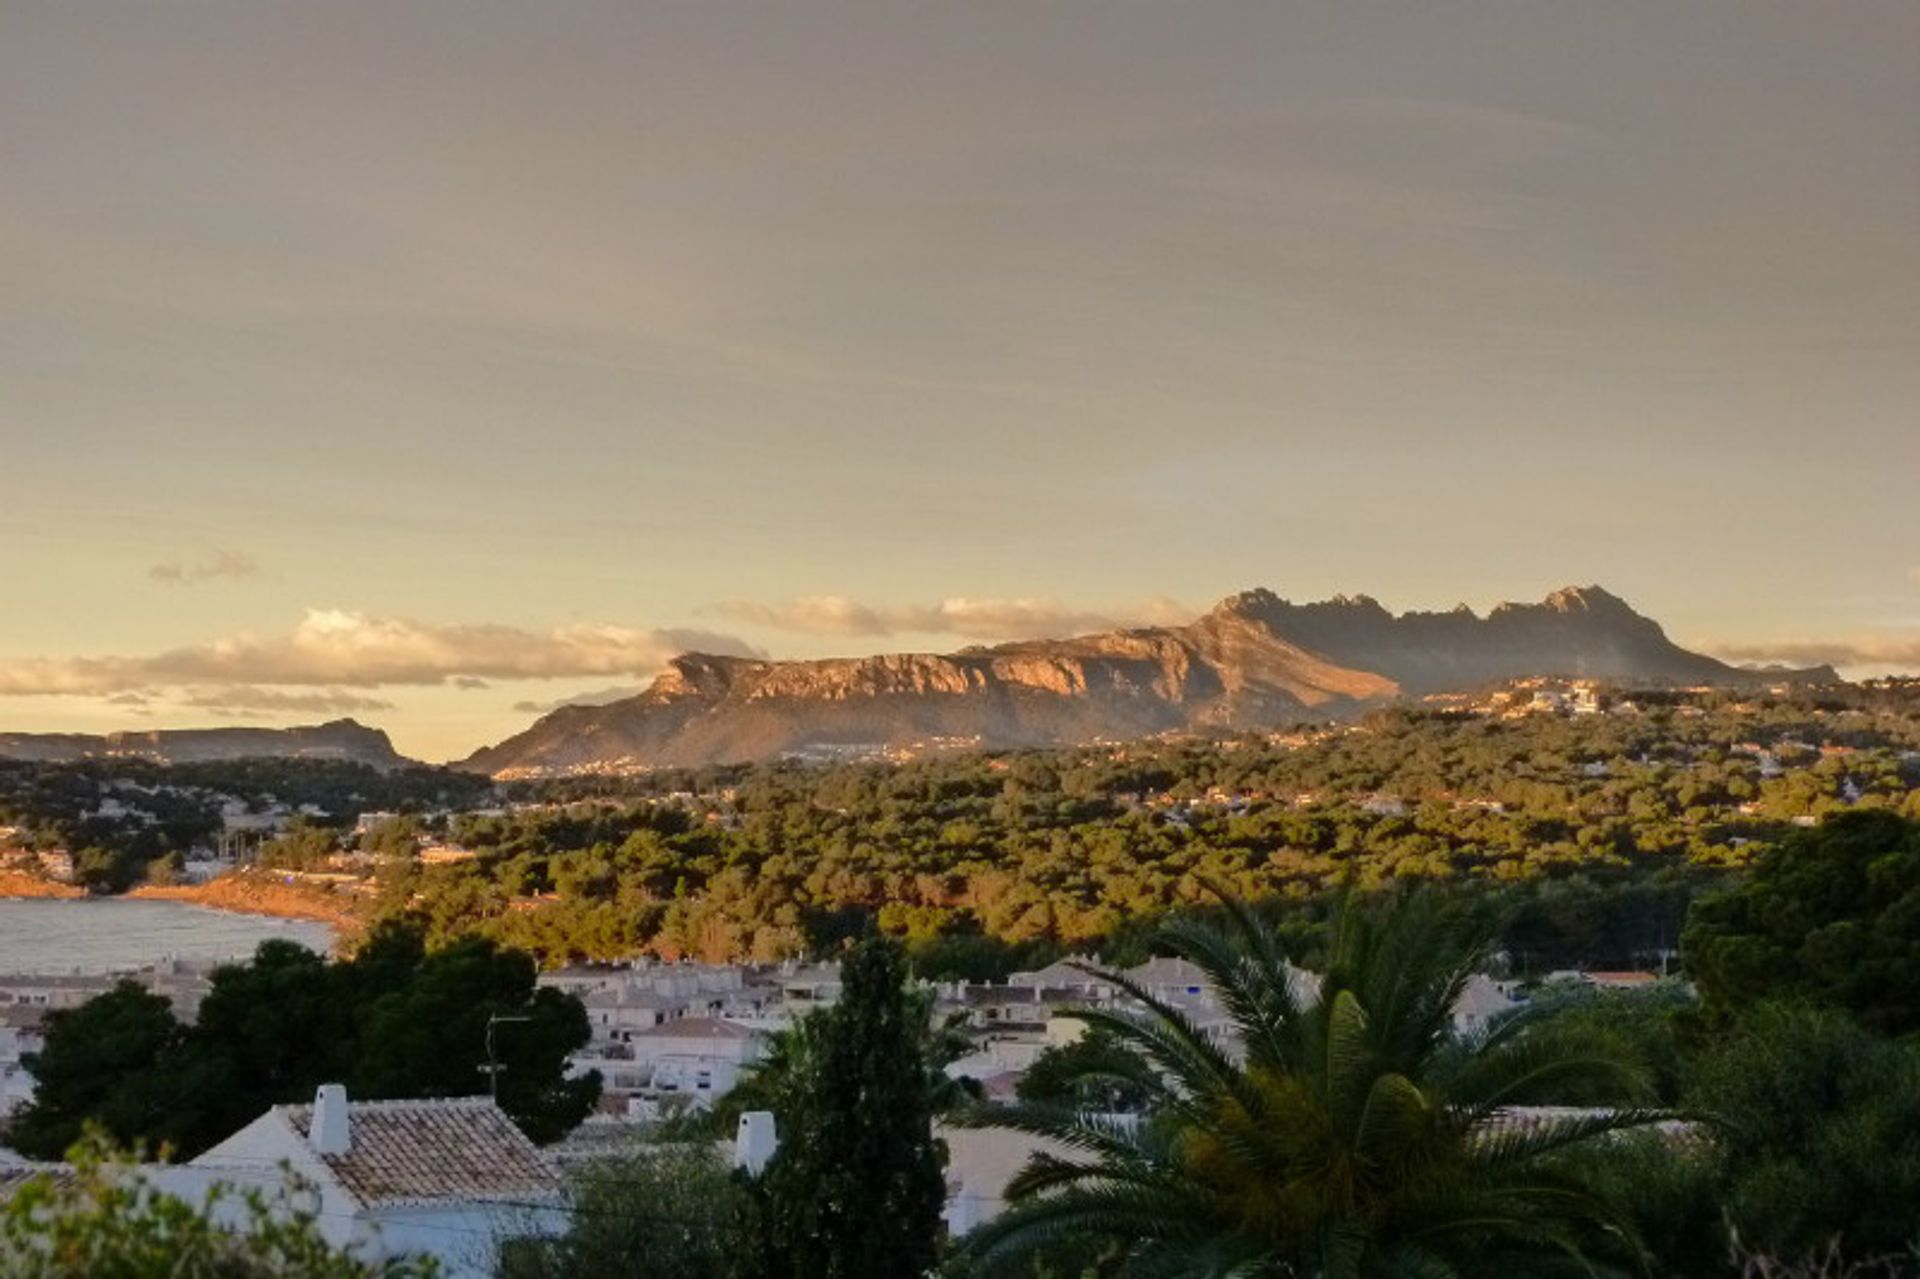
[696, 915]
[670, 1041]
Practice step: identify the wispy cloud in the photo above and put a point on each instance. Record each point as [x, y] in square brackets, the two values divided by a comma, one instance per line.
[599, 697]
[222, 564]
[248, 699]
[1867, 652]
[967, 618]
[337, 649]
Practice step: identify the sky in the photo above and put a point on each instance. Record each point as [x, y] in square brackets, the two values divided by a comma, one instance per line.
[436, 362]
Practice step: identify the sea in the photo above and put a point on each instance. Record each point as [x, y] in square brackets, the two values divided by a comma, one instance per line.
[53, 935]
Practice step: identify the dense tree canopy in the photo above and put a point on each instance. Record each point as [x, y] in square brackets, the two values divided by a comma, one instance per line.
[1818, 1121]
[1596, 831]
[391, 1022]
[1832, 915]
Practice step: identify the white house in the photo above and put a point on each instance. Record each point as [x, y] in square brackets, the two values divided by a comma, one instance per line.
[698, 1037]
[1063, 976]
[697, 1057]
[1482, 1001]
[449, 1177]
[617, 1014]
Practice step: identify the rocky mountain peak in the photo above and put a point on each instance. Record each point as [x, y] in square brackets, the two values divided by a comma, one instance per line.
[1255, 660]
[1586, 599]
[1254, 603]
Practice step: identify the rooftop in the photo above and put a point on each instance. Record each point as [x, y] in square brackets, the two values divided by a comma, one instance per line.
[697, 1028]
[424, 1151]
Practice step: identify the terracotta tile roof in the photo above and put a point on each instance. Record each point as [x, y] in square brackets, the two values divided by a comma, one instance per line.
[435, 1150]
[696, 1028]
[13, 1176]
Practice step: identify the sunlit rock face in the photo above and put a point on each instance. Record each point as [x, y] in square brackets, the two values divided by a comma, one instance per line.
[1254, 661]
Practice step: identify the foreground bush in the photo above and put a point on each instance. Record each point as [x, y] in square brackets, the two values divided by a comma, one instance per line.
[672, 1211]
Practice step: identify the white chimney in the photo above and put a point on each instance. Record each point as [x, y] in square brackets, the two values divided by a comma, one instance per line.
[329, 1133]
[754, 1144]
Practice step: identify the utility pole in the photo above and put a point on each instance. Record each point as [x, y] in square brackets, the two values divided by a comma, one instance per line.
[493, 1066]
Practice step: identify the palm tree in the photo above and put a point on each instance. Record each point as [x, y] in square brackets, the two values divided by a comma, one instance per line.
[1335, 1130]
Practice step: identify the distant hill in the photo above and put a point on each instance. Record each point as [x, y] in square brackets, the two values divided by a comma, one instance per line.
[342, 739]
[1255, 660]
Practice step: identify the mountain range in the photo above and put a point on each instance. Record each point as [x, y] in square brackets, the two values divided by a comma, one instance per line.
[342, 739]
[1254, 660]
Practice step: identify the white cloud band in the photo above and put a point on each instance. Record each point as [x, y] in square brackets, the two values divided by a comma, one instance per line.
[968, 618]
[334, 649]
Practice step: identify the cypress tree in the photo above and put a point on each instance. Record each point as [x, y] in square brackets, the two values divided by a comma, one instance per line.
[856, 1187]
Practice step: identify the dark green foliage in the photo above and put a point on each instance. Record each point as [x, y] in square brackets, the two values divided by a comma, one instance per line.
[99, 1064]
[1832, 915]
[855, 1189]
[1673, 1192]
[392, 1022]
[670, 1212]
[966, 954]
[1820, 1124]
[1093, 1072]
[304, 845]
[1356, 1137]
[426, 1037]
[1651, 1021]
[276, 1028]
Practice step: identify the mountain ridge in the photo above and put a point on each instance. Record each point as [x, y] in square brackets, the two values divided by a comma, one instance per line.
[342, 739]
[1254, 660]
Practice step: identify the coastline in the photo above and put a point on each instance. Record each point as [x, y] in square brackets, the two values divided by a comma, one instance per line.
[247, 894]
[240, 893]
[19, 884]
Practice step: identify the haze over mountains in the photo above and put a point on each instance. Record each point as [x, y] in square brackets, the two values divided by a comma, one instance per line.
[1255, 660]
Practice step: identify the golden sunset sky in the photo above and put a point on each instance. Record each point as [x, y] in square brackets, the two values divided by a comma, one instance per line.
[433, 362]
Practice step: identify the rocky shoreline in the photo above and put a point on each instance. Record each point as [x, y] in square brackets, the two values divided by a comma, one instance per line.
[242, 892]
[253, 893]
[24, 884]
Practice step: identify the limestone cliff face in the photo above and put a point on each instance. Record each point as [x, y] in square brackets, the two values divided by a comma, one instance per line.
[342, 739]
[1254, 661]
